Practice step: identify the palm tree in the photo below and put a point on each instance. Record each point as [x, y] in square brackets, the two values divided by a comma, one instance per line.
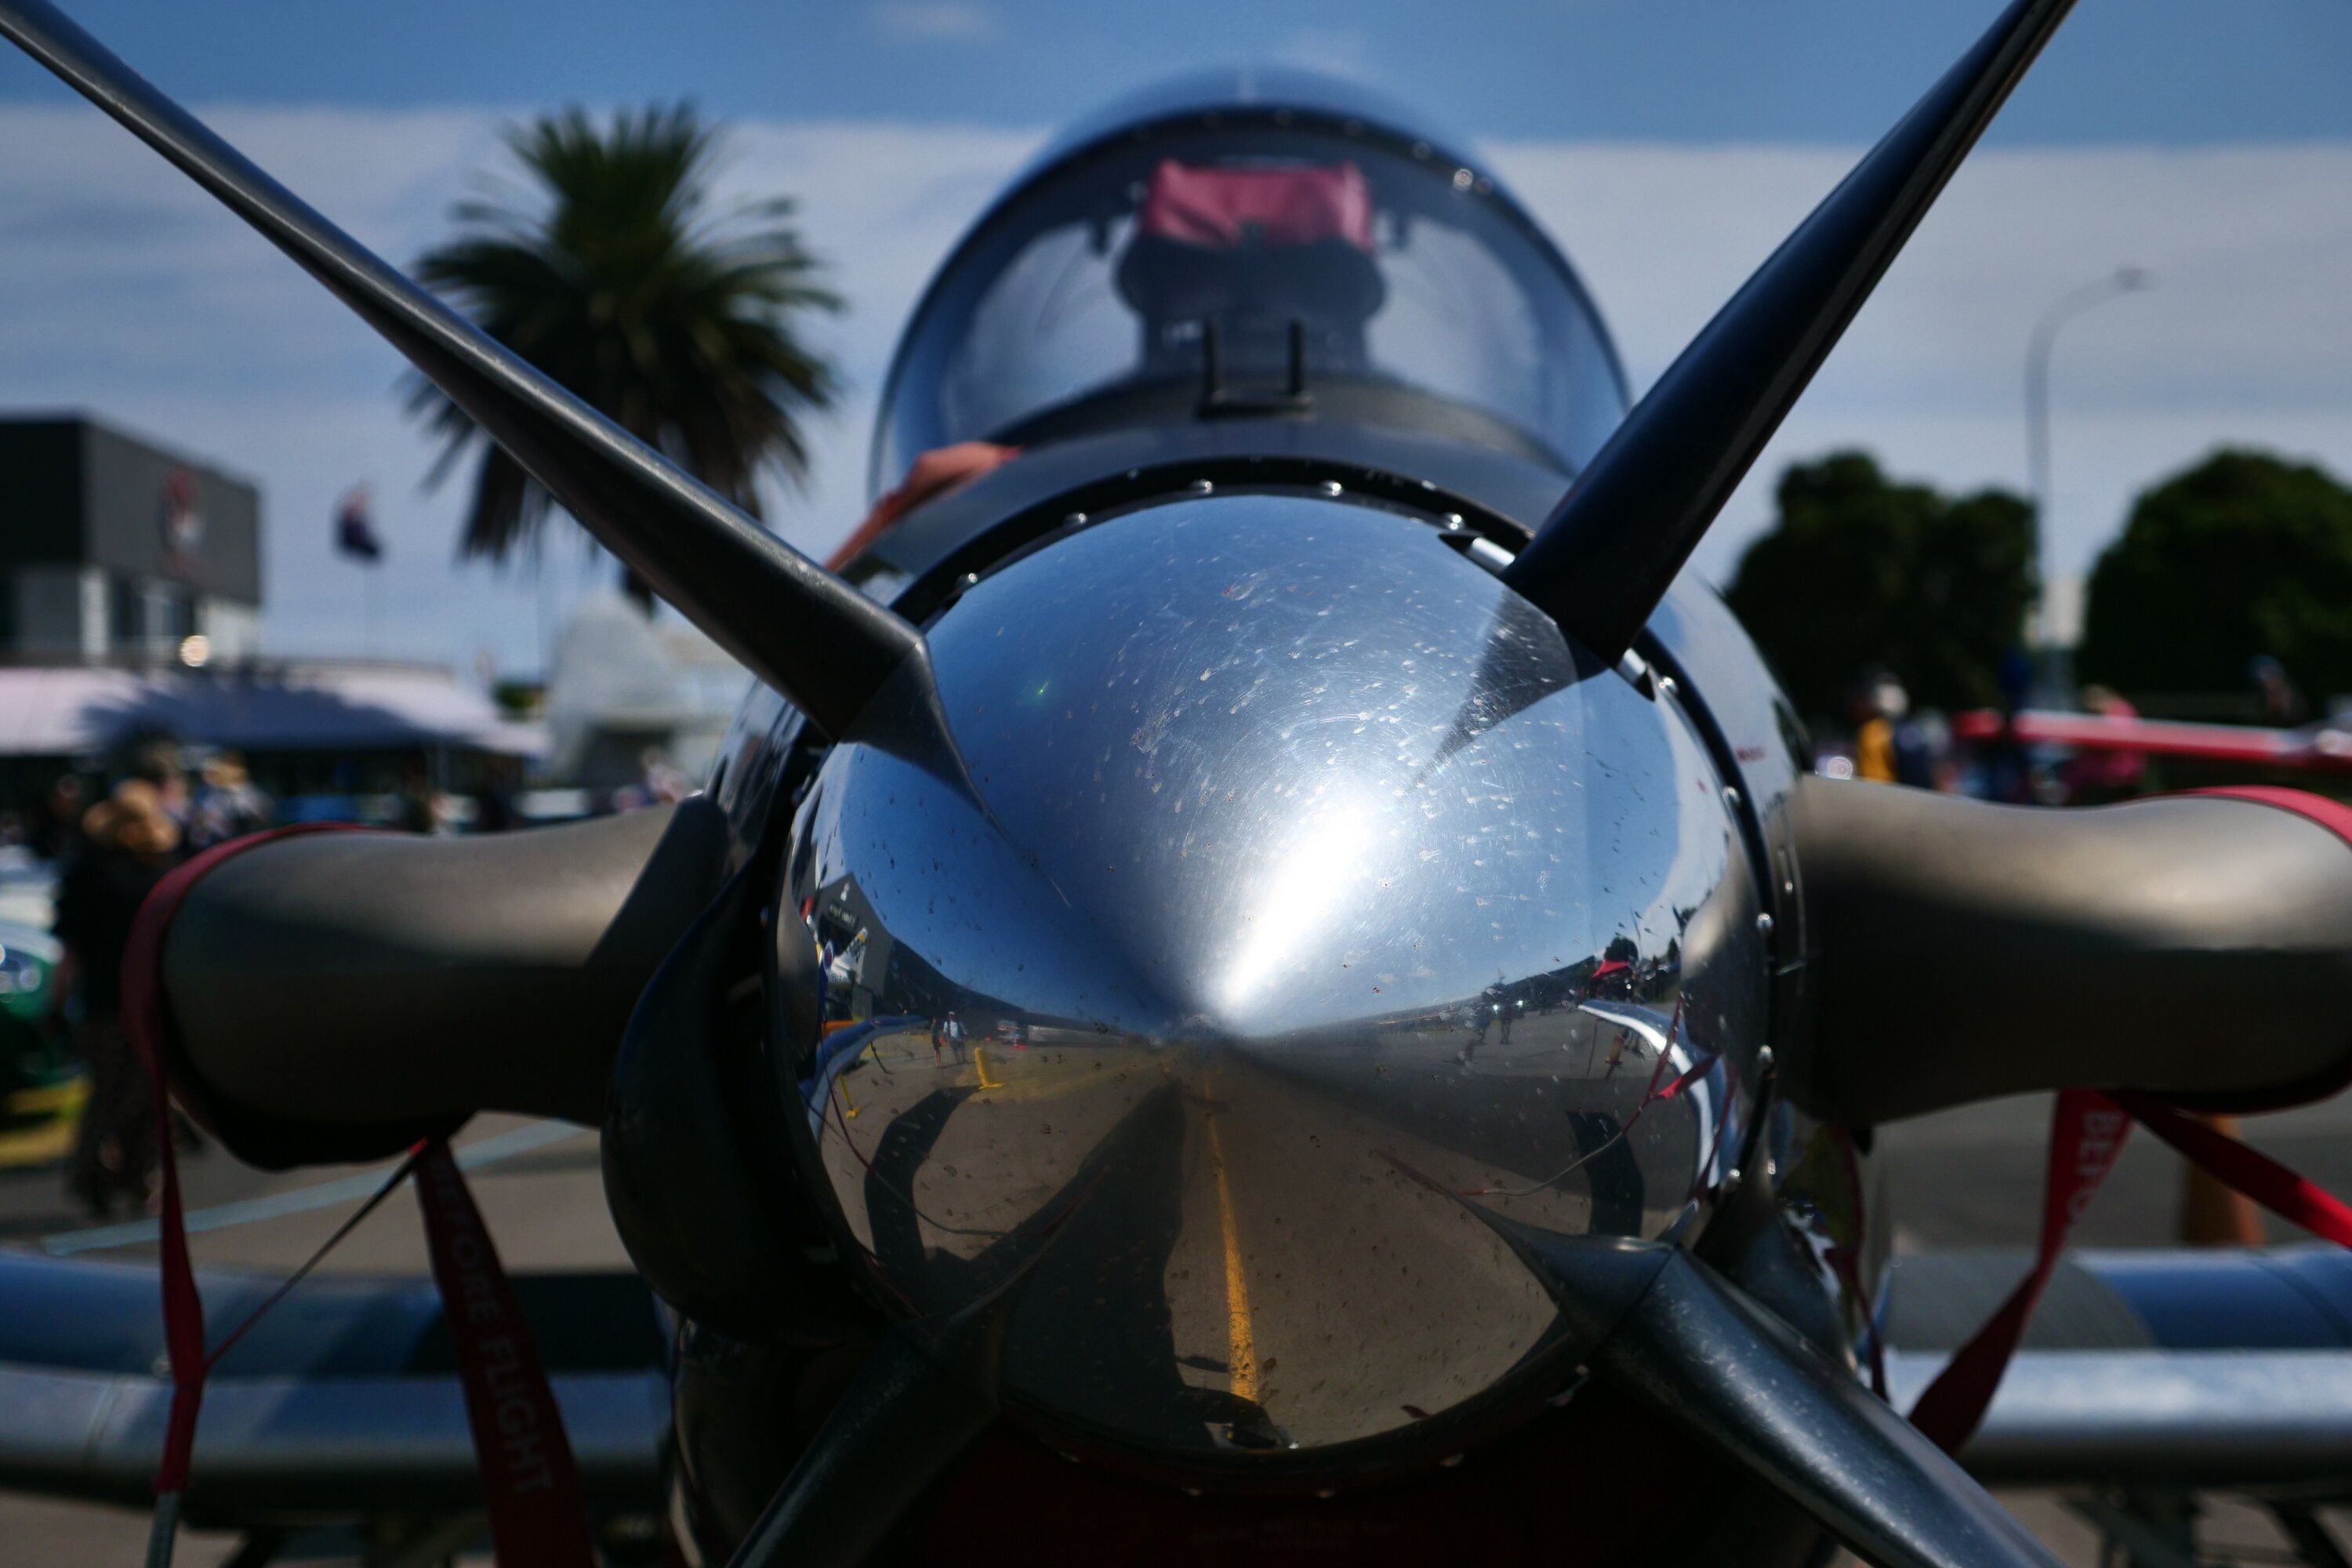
[613, 275]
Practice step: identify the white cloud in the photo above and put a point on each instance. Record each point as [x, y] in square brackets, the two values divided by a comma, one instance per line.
[125, 291]
[2247, 337]
[935, 21]
[1335, 51]
[129, 293]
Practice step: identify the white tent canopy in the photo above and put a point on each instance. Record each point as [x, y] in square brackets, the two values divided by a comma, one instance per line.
[623, 680]
[80, 711]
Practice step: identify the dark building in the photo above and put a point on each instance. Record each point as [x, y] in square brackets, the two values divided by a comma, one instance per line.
[113, 551]
[131, 617]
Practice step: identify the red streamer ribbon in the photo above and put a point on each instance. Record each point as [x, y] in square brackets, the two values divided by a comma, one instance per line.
[145, 1024]
[2086, 1132]
[537, 1508]
[2247, 1170]
[537, 1513]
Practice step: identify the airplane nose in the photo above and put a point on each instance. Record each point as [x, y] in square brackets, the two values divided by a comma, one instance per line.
[1314, 916]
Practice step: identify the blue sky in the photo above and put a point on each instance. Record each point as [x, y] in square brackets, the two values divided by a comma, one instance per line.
[1702, 70]
[1666, 144]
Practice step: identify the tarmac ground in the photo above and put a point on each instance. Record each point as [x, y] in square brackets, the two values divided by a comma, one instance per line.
[1965, 1179]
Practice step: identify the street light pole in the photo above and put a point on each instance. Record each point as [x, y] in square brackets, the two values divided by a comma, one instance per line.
[2121, 281]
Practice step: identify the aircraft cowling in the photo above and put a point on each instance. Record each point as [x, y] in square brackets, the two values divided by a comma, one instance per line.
[1305, 913]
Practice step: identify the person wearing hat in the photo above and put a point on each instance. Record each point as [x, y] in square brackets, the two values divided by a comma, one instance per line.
[129, 840]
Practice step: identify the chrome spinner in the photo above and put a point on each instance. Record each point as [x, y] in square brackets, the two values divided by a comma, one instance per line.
[1312, 913]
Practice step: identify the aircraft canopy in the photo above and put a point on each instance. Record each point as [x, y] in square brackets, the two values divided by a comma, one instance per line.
[1253, 259]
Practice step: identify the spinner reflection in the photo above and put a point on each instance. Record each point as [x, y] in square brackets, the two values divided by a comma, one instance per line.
[1260, 983]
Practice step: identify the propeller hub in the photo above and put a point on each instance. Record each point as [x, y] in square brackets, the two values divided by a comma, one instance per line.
[1312, 905]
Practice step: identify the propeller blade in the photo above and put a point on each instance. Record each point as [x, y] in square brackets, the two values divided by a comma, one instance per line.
[1603, 560]
[1734, 1376]
[337, 996]
[895, 1430]
[797, 627]
[1657, 1323]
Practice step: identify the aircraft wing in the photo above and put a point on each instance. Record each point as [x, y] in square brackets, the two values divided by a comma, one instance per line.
[2169, 1368]
[2317, 749]
[343, 1402]
[2203, 1368]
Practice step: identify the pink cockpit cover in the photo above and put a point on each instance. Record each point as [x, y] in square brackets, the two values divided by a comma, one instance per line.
[1219, 207]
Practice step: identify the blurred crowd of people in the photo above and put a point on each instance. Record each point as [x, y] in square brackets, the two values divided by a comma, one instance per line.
[110, 855]
[110, 844]
[1893, 743]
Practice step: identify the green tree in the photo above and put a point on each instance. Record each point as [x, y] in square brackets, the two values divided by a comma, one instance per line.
[1860, 570]
[2242, 555]
[615, 276]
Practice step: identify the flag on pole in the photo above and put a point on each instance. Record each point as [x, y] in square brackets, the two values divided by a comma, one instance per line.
[354, 529]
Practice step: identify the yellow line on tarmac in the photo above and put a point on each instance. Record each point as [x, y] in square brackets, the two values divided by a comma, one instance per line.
[1240, 1344]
